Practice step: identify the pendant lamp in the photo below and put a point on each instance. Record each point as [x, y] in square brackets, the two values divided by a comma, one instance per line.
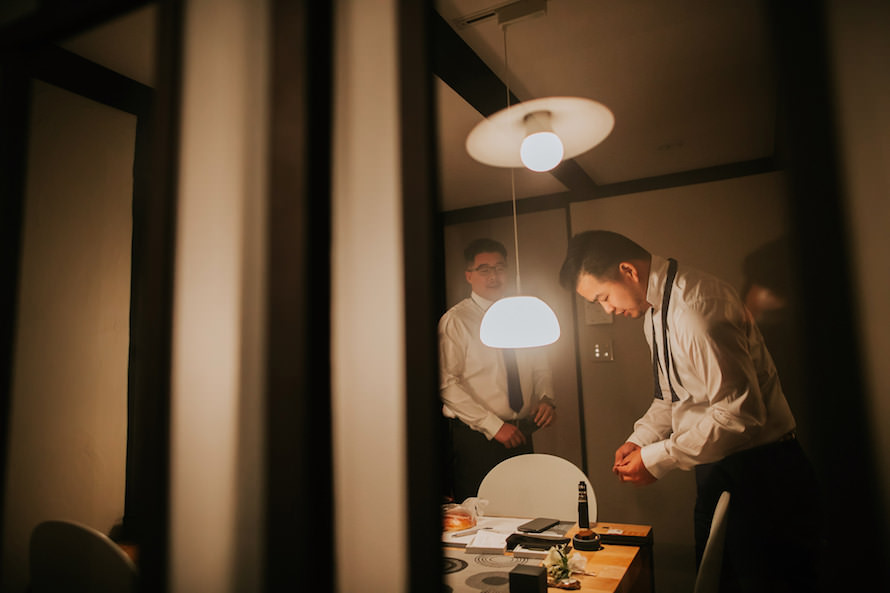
[540, 133]
[519, 321]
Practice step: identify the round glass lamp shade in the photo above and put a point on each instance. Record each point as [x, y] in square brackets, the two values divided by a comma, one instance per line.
[519, 322]
[541, 151]
[579, 123]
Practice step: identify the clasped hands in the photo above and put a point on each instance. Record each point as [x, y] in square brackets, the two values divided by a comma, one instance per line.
[510, 436]
[629, 465]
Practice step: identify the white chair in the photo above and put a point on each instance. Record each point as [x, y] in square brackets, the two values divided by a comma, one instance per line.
[708, 577]
[536, 485]
[67, 556]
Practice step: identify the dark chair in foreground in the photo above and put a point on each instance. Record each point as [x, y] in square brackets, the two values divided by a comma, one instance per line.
[70, 557]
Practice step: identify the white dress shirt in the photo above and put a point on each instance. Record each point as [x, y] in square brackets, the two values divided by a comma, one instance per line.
[730, 398]
[473, 378]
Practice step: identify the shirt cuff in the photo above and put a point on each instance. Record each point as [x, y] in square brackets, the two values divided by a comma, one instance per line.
[657, 460]
[490, 426]
[546, 399]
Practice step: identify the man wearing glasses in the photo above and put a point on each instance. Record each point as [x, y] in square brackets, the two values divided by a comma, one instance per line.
[494, 398]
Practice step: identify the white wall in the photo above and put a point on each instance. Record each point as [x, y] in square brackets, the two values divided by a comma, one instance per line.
[68, 425]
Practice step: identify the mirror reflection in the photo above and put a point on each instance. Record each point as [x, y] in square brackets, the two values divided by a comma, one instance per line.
[688, 172]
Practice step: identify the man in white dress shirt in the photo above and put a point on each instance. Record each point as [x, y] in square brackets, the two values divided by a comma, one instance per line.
[485, 426]
[718, 409]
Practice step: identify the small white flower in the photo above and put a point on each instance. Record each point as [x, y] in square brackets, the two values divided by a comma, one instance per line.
[557, 563]
[553, 557]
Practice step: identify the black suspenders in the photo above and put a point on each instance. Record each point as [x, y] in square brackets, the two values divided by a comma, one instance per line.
[666, 301]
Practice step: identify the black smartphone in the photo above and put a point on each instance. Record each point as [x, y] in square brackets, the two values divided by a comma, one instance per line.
[527, 426]
[538, 525]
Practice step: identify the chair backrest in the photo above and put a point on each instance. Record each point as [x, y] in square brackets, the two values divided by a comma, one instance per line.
[536, 485]
[68, 556]
[708, 577]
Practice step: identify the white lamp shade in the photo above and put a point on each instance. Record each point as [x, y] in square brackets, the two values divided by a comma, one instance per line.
[519, 322]
[580, 124]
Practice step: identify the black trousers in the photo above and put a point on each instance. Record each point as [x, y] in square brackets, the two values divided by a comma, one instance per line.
[473, 456]
[773, 539]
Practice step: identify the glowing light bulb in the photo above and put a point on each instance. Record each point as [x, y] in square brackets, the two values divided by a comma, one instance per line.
[519, 322]
[541, 151]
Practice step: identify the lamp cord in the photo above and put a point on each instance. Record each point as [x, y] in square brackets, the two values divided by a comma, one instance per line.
[512, 172]
[515, 229]
[506, 72]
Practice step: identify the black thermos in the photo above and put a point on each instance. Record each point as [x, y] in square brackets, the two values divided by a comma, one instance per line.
[583, 519]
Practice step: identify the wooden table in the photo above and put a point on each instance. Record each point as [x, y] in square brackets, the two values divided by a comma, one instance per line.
[624, 567]
[619, 568]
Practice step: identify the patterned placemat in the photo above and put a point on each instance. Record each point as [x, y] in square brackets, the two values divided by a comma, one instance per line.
[471, 573]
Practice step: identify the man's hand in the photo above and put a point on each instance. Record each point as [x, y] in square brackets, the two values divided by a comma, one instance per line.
[510, 436]
[622, 453]
[629, 465]
[545, 415]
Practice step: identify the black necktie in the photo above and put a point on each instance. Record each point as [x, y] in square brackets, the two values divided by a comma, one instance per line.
[666, 301]
[514, 391]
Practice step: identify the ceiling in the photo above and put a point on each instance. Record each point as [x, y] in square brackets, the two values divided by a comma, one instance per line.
[689, 82]
[125, 44]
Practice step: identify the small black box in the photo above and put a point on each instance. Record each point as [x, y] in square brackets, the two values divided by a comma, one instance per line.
[528, 579]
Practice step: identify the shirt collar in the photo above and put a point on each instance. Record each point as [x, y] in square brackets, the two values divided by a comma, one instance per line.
[482, 302]
[658, 270]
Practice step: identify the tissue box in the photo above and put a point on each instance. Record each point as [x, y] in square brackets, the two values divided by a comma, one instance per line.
[528, 579]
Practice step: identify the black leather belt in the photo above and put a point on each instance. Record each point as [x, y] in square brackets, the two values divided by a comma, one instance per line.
[785, 438]
[788, 436]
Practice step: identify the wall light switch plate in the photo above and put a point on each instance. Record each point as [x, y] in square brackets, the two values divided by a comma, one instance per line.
[595, 315]
[602, 351]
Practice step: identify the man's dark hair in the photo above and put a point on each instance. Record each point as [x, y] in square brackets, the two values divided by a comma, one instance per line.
[483, 246]
[770, 266]
[597, 253]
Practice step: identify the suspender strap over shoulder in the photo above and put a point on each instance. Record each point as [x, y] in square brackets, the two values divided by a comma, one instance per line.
[665, 303]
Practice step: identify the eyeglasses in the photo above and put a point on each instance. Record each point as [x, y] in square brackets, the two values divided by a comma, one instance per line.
[487, 270]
